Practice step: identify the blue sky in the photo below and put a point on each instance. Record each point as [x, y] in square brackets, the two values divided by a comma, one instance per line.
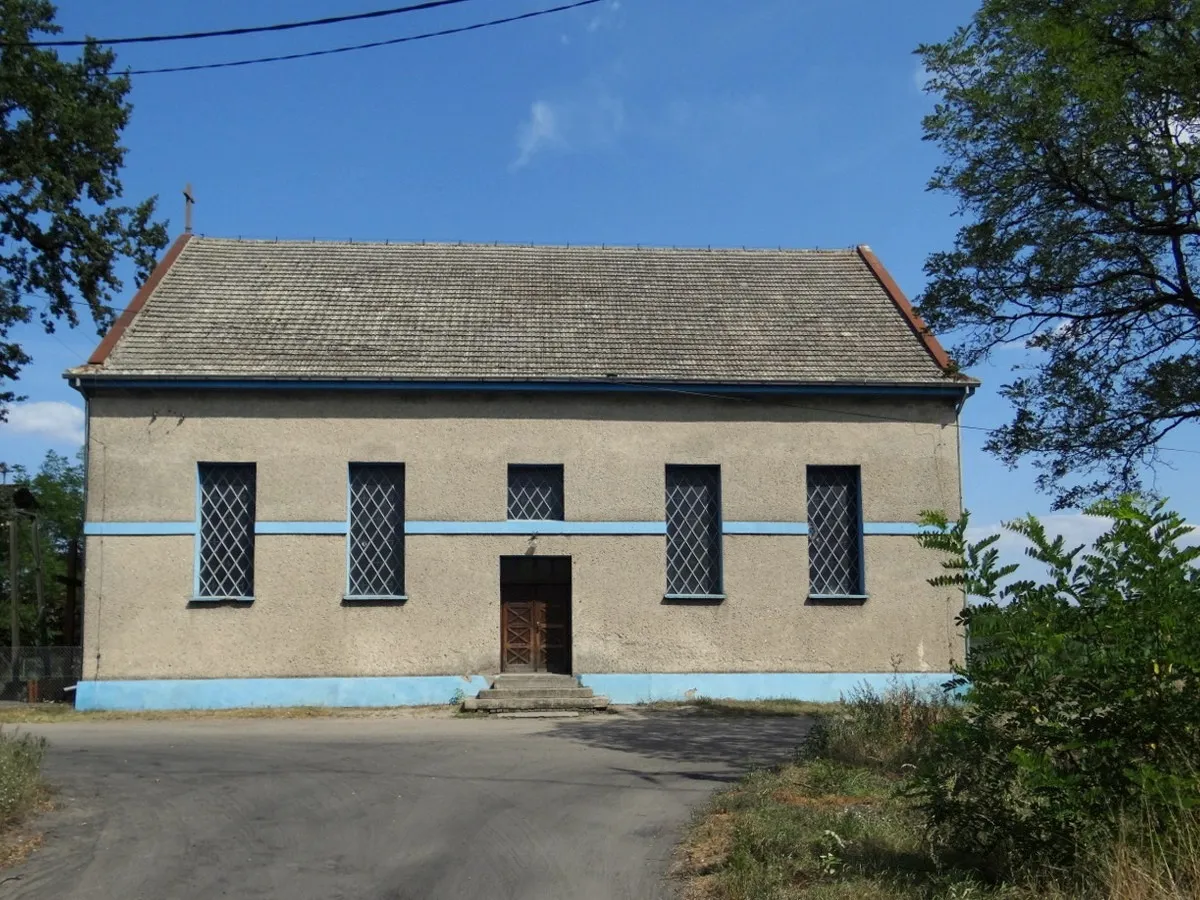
[666, 122]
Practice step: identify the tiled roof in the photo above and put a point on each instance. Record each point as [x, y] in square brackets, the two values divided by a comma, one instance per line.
[326, 310]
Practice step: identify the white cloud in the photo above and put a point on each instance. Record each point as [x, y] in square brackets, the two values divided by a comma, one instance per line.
[1075, 528]
[605, 17]
[539, 132]
[921, 77]
[1184, 131]
[52, 420]
[588, 118]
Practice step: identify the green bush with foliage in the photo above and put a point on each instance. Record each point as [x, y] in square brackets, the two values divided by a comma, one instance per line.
[1081, 690]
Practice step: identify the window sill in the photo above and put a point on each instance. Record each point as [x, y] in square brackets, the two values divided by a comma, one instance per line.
[693, 598]
[216, 601]
[835, 599]
[374, 599]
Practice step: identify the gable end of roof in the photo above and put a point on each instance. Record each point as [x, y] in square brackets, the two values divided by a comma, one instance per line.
[931, 343]
[100, 354]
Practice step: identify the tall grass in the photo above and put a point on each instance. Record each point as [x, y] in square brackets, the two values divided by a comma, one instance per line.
[880, 730]
[21, 785]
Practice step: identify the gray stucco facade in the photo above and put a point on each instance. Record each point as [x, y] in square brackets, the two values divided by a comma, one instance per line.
[150, 642]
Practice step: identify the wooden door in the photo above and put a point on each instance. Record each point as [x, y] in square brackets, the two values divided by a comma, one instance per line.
[554, 636]
[518, 628]
[535, 628]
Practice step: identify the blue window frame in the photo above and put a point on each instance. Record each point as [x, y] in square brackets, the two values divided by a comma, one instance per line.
[375, 549]
[693, 532]
[835, 532]
[225, 548]
[535, 493]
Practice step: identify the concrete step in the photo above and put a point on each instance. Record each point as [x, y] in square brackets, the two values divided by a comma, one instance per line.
[520, 704]
[541, 680]
[502, 693]
[538, 714]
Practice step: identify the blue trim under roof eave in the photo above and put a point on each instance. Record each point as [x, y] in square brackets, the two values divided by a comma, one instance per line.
[84, 383]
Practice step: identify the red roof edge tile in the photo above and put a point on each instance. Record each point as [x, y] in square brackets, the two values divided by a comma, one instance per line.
[918, 325]
[139, 300]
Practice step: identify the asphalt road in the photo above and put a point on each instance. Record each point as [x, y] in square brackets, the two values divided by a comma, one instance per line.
[387, 808]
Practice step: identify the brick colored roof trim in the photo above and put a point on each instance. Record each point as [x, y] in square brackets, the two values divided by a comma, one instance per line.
[139, 300]
[888, 283]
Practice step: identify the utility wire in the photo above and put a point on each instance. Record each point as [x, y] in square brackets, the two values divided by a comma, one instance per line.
[347, 49]
[231, 32]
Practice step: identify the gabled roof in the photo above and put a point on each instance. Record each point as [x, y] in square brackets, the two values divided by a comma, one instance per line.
[298, 310]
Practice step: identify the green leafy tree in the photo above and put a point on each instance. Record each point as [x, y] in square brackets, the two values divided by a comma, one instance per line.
[1081, 691]
[58, 488]
[1071, 135]
[63, 230]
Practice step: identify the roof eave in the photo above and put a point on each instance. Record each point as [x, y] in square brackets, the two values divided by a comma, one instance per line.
[82, 380]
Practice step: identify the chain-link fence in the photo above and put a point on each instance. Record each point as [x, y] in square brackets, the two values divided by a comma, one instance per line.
[39, 673]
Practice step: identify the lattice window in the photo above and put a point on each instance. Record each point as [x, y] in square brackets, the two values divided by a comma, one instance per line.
[376, 530]
[834, 531]
[535, 493]
[226, 530]
[693, 530]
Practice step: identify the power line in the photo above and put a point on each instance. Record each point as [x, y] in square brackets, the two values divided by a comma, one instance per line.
[352, 47]
[232, 32]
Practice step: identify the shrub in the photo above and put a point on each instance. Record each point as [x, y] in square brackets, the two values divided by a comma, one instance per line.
[1082, 691]
[20, 773]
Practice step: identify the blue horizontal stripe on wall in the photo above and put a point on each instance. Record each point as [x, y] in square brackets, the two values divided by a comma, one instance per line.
[909, 528]
[509, 527]
[300, 527]
[820, 687]
[239, 693]
[764, 527]
[432, 690]
[104, 529]
[526, 527]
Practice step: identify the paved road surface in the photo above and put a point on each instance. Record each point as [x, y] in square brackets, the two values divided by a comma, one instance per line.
[387, 808]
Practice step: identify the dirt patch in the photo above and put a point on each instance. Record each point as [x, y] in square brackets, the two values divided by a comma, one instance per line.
[19, 839]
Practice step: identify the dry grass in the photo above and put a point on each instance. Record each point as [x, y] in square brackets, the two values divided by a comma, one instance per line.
[22, 794]
[43, 713]
[710, 706]
[17, 844]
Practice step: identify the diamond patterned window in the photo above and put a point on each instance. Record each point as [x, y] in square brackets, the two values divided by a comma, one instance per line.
[693, 530]
[834, 531]
[226, 530]
[376, 530]
[535, 493]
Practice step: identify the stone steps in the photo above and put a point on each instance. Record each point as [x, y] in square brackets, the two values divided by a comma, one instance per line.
[534, 693]
[521, 682]
[522, 704]
[504, 693]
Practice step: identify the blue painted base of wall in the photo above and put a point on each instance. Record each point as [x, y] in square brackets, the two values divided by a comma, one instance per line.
[238, 693]
[432, 690]
[820, 687]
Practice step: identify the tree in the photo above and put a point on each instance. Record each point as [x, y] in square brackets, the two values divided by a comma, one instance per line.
[1071, 134]
[62, 229]
[58, 488]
